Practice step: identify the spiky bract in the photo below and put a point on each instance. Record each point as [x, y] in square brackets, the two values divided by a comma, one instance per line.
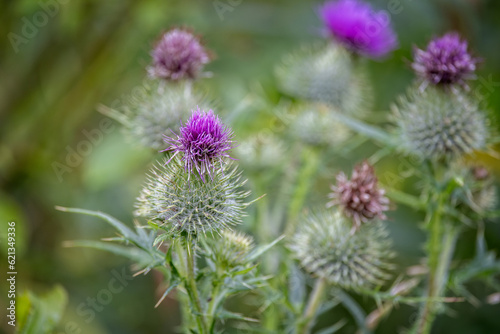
[315, 125]
[231, 248]
[324, 73]
[156, 110]
[260, 152]
[325, 246]
[437, 125]
[177, 203]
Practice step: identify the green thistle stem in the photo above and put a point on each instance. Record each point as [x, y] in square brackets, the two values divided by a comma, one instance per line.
[310, 162]
[192, 290]
[441, 246]
[315, 299]
[212, 306]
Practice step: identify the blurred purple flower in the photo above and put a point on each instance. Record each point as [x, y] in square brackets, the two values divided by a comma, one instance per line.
[204, 141]
[178, 55]
[445, 61]
[357, 26]
[360, 197]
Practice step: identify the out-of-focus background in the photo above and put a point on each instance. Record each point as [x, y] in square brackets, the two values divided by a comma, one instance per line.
[59, 59]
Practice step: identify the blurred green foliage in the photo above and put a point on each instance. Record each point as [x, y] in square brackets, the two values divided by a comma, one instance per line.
[55, 71]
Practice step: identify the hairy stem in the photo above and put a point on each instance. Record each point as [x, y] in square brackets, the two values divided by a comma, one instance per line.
[192, 289]
[212, 307]
[305, 324]
[441, 245]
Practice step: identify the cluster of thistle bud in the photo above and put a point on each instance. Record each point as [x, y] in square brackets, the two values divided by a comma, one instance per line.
[348, 245]
[438, 119]
[167, 95]
[196, 190]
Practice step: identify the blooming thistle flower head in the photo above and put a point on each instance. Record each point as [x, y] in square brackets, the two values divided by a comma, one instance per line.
[203, 142]
[358, 27]
[176, 203]
[437, 125]
[360, 198]
[156, 110]
[324, 73]
[326, 248]
[446, 61]
[178, 55]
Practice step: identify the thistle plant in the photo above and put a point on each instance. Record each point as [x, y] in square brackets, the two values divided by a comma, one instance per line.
[167, 96]
[325, 73]
[192, 209]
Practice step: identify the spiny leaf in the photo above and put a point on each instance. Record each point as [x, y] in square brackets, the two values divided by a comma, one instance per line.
[258, 251]
[121, 227]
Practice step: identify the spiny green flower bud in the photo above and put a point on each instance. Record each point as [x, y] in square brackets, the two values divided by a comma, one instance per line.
[324, 73]
[438, 125]
[260, 152]
[326, 248]
[231, 249]
[478, 192]
[157, 111]
[178, 203]
[315, 125]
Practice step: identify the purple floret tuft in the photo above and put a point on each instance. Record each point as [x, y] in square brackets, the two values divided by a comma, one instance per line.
[357, 26]
[204, 141]
[178, 55]
[446, 61]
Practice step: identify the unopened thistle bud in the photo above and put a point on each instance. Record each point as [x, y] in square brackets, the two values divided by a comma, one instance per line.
[315, 125]
[326, 248]
[231, 248]
[178, 55]
[478, 194]
[360, 197]
[437, 125]
[325, 74]
[260, 152]
[204, 143]
[177, 203]
[446, 61]
[156, 110]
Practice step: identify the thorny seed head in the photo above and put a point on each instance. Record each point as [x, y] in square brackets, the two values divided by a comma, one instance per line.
[440, 125]
[177, 203]
[325, 246]
[360, 197]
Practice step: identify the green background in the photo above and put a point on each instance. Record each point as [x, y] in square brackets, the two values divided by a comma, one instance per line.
[91, 52]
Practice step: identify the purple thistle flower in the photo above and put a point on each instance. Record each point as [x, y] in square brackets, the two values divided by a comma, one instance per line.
[357, 26]
[445, 61]
[204, 141]
[178, 55]
[360, 197]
